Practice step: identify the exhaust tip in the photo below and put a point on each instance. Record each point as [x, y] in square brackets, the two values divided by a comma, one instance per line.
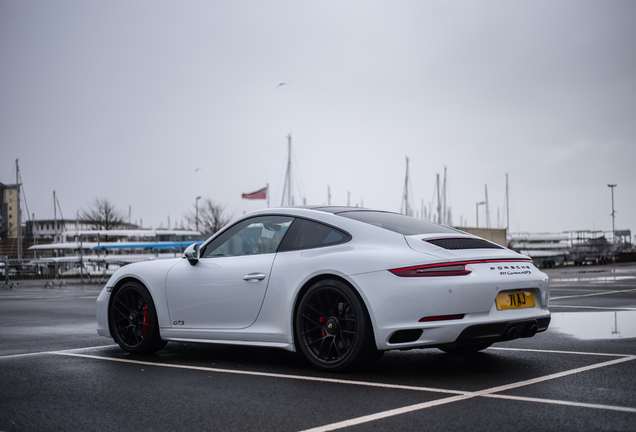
[512, 333]
[531, 331]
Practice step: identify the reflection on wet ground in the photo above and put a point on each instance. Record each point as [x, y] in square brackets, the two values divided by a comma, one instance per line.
[608, 270]
[593, 274]
[598, 279]
[595, 325]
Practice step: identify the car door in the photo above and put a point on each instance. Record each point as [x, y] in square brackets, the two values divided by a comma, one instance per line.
[226, 287]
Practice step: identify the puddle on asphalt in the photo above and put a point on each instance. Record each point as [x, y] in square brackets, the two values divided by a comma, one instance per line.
[37, 330]
[626, 270]
[600, 279]
[595, 325]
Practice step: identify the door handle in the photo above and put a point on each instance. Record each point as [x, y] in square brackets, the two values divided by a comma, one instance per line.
[254, 277]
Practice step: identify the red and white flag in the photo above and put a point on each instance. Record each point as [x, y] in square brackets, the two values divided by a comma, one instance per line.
[259, 194]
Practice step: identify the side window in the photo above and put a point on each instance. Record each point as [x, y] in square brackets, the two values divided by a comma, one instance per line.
[306, 234]
[258, 235]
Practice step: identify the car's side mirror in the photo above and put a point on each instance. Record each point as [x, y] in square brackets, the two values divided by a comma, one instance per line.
[192, 253]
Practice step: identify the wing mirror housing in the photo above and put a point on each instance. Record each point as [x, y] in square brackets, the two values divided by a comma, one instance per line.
[192, 253]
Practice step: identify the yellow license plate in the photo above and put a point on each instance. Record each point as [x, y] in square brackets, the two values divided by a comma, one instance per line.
[514, 300]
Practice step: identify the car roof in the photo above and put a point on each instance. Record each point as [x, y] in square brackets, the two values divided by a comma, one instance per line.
[336, 209]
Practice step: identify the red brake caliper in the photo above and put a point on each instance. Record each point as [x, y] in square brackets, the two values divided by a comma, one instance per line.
[322, 331]
[145, 320]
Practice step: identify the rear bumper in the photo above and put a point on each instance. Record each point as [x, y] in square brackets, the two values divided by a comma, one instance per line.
[503, 331]
[396, 306]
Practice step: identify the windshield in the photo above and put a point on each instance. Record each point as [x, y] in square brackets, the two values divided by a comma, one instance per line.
[398, 223]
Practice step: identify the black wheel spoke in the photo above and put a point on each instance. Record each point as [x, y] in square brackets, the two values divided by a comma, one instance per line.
[335, 345]
[317, 324]
[123, 305]
[320, 303]
[120, 320]
[123, 313]
[127, 335]
[333, 310]
[322, 344]
[310, 306]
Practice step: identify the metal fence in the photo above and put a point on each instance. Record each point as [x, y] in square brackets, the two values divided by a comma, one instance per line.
[58, 272]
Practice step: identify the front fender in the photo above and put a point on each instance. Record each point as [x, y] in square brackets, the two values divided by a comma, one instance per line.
[152, 274]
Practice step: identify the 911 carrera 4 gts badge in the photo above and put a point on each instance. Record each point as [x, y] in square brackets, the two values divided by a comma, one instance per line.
[512, 270]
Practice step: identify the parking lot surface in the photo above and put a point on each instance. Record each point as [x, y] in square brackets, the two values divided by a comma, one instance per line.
[56, 373]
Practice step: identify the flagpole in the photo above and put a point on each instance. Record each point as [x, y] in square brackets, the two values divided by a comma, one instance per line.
[267, 186]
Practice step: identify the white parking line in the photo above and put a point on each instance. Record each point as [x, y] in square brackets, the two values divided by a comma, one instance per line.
[54, 352]
[458, 395]
[560, 402]
[559, 352]
[217, 369]
[594, 294]
[554, 376]
[592, 307]
[484, 393]
[266, 374]
[558, 288]
[386, 414]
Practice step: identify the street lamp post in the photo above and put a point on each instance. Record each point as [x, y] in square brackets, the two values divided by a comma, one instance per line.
[612, 186]
[477, 211]
[196, 204]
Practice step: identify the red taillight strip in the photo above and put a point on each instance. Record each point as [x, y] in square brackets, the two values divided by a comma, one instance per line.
[430, 269]
[442, 318]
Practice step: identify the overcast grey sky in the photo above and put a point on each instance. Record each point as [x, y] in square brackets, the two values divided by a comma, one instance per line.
[126, 100]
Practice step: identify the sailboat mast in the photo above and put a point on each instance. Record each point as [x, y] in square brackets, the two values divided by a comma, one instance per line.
[507, 205]
[405, 197]
[19, 225]
[439, 202]
[444, 215]
[54, 217]
[289, 179]
[487, 208]
[287, 184]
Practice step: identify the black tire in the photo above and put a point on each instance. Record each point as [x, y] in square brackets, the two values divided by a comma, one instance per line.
[133, 320]
[333, 329]
[464, 349]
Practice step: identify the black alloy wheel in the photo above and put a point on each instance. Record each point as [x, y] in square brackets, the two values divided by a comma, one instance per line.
[333, 329]
[133, 320]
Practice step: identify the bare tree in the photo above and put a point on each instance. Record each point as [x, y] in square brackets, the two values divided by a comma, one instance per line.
[102, 215]
[211, 217]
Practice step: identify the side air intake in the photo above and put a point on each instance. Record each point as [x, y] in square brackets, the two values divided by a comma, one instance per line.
[464, 243]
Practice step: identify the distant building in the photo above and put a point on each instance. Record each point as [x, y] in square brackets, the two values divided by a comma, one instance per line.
[495, 235]
[546, 250]
[51, 230]
[56, 231]
[9, 211]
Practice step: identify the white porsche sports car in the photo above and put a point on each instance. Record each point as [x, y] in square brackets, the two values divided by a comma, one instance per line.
[340, 284]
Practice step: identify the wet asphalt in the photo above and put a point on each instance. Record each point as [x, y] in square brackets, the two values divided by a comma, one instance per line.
[57, 374]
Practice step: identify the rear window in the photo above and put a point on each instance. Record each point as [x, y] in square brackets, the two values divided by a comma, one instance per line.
[398, 223]
[306, 234]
